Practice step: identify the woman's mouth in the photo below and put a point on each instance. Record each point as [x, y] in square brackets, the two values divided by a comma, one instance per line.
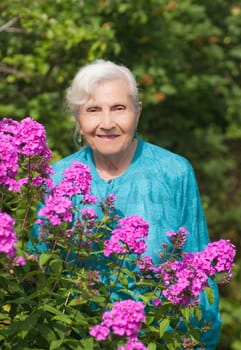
[108, 137]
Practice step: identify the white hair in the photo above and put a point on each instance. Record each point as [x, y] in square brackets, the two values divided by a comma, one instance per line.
[86, 79]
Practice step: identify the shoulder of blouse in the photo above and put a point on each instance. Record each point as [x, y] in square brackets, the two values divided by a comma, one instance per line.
[157, 159]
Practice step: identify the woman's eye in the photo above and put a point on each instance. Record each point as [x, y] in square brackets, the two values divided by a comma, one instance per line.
[92, 109]
[119, 108]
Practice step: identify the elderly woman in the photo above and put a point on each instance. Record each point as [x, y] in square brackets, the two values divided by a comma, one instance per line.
[147, 180]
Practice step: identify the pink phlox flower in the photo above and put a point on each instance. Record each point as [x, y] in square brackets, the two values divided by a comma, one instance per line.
[58, 205]
[220, 257]
[110, 200]
[89, 217]
[57, 209]
[8, 237]
[39, 181]
[189, 343]
[130, 234]
[114, 246]
[77, 179]
[18, 141]
[184, 280]
[44, 171]
[156, 302]
[183, 230]
[178, 239]
[9, 128]
[88, 214]
[145, 263]
[171, 233]
[124, 319]
[8, 157]
[89, 199]
[15, 185]
[31, 139]
[19, 261]
[99, 332]
[133, 344]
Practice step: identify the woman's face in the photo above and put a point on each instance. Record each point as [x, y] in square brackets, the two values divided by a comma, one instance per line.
[108, 121]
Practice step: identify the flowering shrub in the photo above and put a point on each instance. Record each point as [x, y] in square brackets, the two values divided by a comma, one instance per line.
[70, 286]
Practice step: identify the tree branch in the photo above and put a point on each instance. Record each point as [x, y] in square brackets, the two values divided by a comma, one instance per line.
[9, 70]
[7, 27]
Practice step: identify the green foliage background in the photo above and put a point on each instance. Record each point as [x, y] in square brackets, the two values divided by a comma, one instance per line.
[186, 56]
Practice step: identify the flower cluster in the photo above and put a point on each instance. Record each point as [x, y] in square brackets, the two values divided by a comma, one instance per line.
[133, 344]
[9, 155]
[178, 238]
[108, 205]
[20, 142]
[184, 280]
[124, 319]
[128, 237]
[89, 215]
[77, 180]
[8, 237]
[58, 205]
[31, 139]
[219, 257]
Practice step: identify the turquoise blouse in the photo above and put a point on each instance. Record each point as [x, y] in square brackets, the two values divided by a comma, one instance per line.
[161, 187]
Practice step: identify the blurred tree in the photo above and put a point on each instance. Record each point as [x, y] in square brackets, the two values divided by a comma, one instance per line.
[186, 56]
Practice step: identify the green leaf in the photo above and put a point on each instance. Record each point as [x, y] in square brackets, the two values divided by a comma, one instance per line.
[63, 319]
[56, 344]
[23, 326]
[210, 295]
[198, 314]
[44, 258]
[87, 343]
[46, 332]
[56, 266]
[163, 326]
[187, 313]
[51, 309]
[150, 319]
[151, 346]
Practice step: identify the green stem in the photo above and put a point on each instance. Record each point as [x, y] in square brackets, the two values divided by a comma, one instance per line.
[116, 280]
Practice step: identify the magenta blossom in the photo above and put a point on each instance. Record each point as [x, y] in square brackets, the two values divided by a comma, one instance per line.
[57, 209]
[19, 261]
[31, 139]
[220, 257]
[124, 319]
[8, 237]
[77, 180]
[145, 263]
[129, 236]
[9, 154]
[156, 302]
[133, 344]
[89, 214]
[23, 143]
[185, 280]
[178, 238]
[58, 205]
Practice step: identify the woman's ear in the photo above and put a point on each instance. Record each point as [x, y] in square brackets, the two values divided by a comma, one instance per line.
[140, 107]
[78, 124]
[139, 111]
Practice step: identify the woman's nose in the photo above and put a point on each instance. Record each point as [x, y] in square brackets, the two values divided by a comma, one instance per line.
[107, 121]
